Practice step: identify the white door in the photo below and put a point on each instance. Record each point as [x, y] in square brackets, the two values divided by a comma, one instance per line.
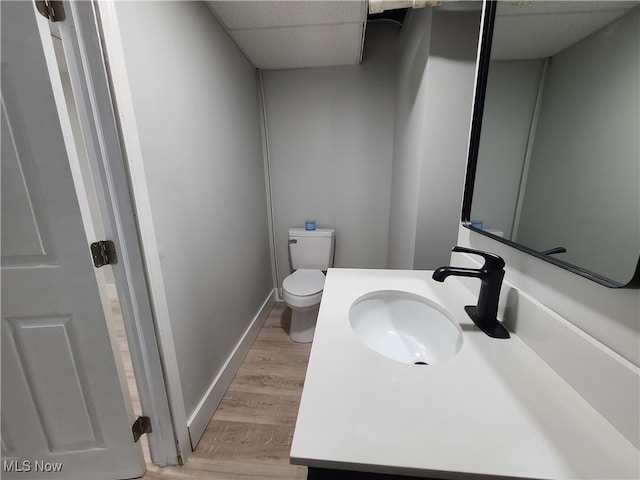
[63, 405]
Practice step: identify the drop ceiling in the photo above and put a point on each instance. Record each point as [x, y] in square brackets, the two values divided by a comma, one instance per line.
[295, 34]
[540, 29]
[284, 34]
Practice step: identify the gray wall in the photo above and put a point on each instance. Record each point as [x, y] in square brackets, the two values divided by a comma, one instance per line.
[330, 134]
[510, 99]
[411, 96]
[195, 98]
[434, 99]
[583, 189]
[450, 88]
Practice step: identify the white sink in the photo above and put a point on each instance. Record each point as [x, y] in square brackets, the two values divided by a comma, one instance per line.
[405, 327]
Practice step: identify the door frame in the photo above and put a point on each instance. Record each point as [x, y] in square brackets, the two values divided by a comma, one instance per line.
[92, 91]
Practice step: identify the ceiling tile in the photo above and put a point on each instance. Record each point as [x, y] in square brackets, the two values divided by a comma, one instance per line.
[533, 30]
[300, 47]
[265, 14]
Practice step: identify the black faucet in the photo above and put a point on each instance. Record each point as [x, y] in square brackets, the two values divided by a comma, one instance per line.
[484, 315]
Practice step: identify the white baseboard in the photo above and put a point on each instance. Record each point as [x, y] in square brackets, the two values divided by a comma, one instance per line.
[199, 419]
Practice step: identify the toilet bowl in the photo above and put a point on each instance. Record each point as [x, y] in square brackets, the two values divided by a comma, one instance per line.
[302, 292]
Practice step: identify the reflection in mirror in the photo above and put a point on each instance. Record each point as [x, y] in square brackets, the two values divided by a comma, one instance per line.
[558, 157]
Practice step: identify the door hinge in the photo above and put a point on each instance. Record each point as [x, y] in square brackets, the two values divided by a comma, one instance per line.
[103, 253]
[140, 426]
[51, 9]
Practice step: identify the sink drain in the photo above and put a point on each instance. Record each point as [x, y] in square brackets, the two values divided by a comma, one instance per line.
[420, 363]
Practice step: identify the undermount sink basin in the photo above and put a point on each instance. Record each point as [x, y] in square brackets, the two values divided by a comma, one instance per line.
[405, 327]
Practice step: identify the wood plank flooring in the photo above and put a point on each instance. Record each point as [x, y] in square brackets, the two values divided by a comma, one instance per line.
[249, 436]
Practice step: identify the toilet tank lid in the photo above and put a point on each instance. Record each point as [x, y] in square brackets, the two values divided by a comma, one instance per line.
[318, 232]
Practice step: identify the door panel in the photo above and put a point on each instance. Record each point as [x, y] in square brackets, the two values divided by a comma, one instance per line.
[63, 401]
[8, 447]
[21, 235]
[46, 349]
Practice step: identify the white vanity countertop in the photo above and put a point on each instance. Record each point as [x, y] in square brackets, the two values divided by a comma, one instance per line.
[495, 409]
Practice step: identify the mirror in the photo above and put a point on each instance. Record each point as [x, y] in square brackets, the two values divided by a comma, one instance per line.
[554, 158]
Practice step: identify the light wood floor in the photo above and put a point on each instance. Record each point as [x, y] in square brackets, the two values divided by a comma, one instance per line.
[249, 436]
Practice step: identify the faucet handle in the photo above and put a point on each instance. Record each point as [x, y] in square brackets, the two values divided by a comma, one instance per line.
[492, 262]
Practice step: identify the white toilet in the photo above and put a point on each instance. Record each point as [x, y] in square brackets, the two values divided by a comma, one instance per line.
[311, 253]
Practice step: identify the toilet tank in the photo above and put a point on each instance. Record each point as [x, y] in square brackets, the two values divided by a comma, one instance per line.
[311, 248]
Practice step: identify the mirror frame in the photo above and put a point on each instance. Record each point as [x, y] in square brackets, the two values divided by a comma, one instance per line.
[486, 37]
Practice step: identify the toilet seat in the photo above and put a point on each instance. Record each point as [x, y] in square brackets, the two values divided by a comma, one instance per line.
[304, 282]
[303, 288]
